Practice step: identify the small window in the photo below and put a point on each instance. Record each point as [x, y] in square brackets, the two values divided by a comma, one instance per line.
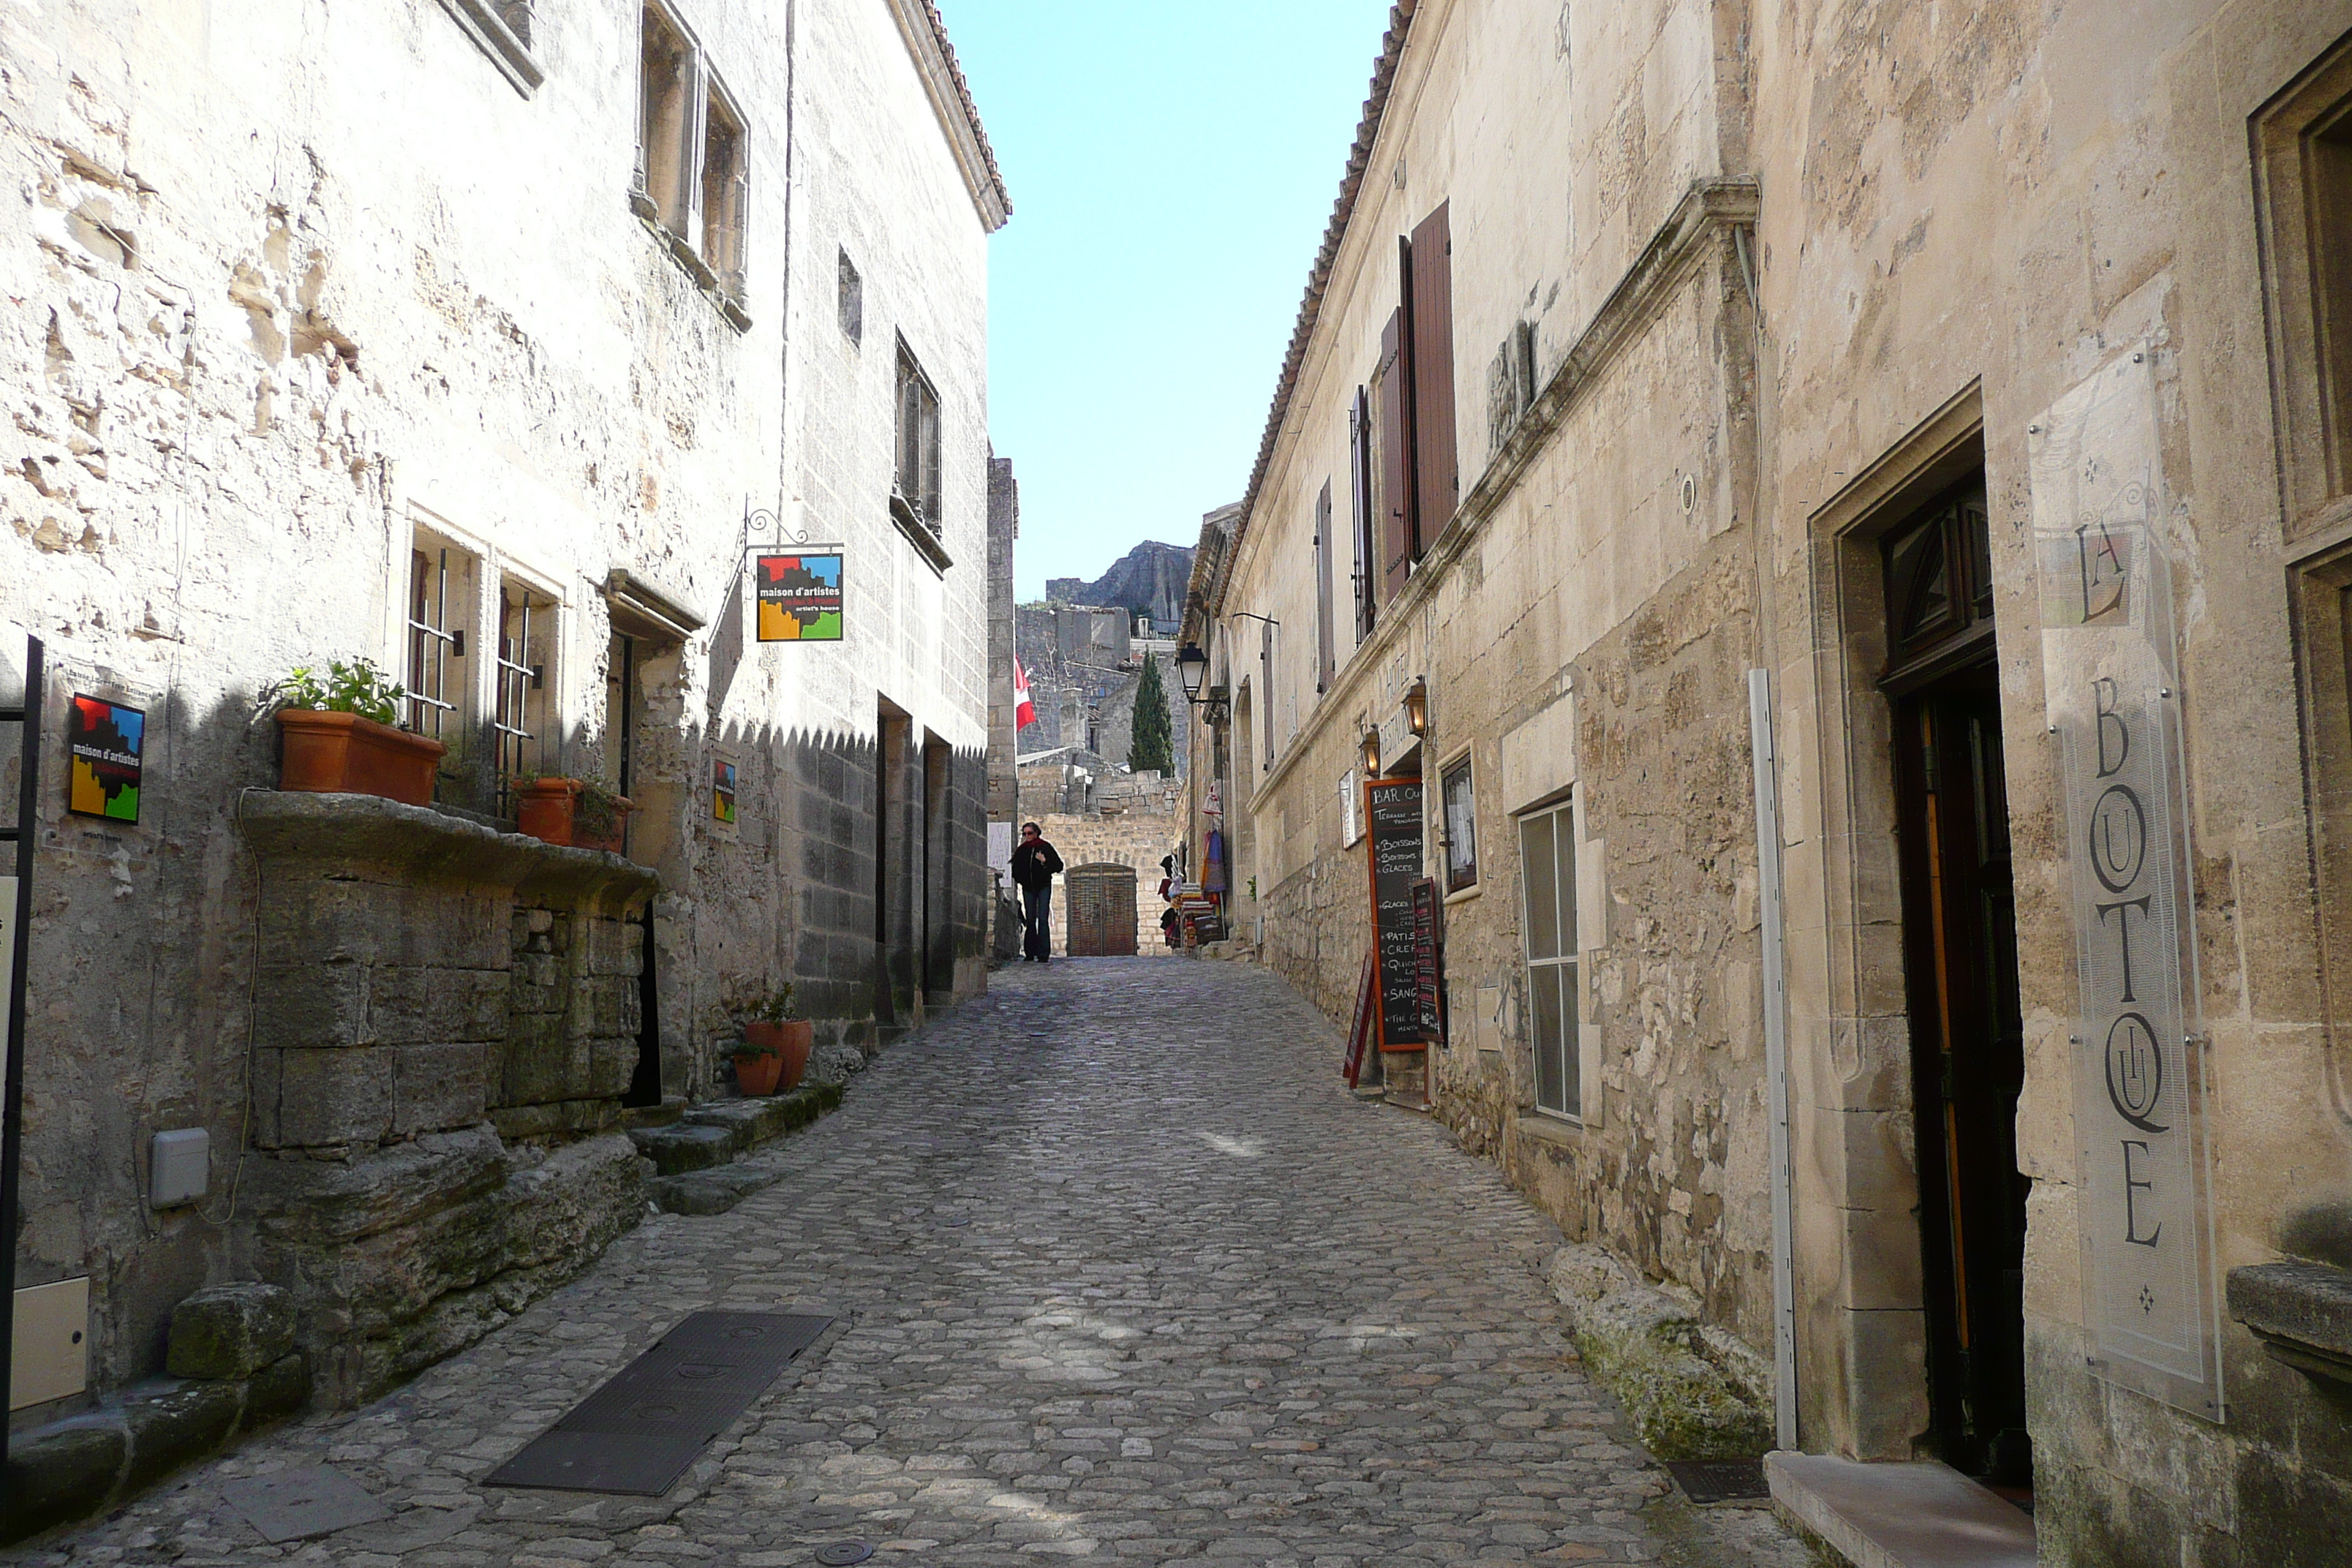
[1461, 828]
[1548, 886]
[915, 488]
[525, 636]
[619, 771]
[665, 100]
[853, 301]
[724, 194]
[440, 604]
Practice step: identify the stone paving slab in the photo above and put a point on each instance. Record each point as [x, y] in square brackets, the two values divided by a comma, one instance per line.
[1120, 1273]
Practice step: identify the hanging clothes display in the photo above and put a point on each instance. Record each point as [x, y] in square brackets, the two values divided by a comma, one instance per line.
[1213, 863]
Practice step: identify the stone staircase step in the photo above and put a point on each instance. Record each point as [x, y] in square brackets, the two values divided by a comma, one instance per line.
[757, 1121]
[686, 1146]
[711, 1191]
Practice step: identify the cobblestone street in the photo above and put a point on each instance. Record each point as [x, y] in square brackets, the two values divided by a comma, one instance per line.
[1119, 1272]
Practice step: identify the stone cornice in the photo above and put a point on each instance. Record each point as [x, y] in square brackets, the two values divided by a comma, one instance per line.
[943, 81]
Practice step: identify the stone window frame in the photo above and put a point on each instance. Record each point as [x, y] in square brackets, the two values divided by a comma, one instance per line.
[918, 463]
[502, 30]
[2303, 200]
[700, 213]
[1457, 881]
[439, 633]
[1564, 809]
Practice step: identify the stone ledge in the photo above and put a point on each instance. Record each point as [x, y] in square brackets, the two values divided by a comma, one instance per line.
[79, 1467]
[1900, 1516]
[725, 1127]
[1692, 1391]
[422, 846]
[2302, 1314]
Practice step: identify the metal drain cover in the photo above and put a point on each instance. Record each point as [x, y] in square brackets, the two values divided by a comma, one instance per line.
[1720, 1480]
[841, 1554]
[639, 1432]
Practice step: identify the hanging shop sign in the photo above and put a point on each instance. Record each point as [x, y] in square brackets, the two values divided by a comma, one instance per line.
[799, 597]
[1392, 817]
[1426, 944]
[2114, 702]
[103, 744]
[722, 792]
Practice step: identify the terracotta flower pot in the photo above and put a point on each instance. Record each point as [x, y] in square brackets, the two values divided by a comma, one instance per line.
[792, 1040]
[756, 1076]
[343, 753]
[549, 810]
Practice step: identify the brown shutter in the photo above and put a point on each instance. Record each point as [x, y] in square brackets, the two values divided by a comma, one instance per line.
[1396, 462]
[1435, 473]
[1323, 644]
[1359, 509]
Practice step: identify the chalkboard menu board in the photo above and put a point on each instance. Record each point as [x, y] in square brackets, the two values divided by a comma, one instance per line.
[1393, 828]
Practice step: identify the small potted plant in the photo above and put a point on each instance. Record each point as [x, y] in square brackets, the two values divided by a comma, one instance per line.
[339, 734]
[776, 1044]
[577, 812]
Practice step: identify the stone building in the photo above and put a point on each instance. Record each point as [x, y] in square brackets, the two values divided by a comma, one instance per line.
[1965, 387]
[483, 343]
[1085, 665]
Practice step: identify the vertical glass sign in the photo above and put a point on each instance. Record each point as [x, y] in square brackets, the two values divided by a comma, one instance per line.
[2113, 703]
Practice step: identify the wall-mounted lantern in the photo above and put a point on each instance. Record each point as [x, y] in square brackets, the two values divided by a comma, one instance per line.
[1372, 746]
[1416, 707]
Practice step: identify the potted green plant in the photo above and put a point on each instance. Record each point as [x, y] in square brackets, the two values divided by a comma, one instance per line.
[577, 812]
[776, 1044]
[339, 734]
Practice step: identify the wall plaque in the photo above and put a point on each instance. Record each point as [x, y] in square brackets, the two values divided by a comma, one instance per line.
[2114, 700]
[1392, 818]
[799, 597]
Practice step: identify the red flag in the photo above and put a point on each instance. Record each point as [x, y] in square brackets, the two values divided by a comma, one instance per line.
[1025, 712]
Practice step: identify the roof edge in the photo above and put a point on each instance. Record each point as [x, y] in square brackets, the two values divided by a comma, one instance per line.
[951, 95]
[1343, 212]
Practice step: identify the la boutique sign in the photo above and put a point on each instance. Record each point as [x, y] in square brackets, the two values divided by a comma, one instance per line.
[2113, 702]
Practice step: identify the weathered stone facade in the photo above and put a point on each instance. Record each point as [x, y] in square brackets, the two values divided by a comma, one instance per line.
[1732, 301]
[401, 331]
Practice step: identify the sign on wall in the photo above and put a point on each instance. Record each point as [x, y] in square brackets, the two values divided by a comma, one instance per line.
[722, 791]
[1393, 819]
[799, 597]
[2113, 702]
[103, 744]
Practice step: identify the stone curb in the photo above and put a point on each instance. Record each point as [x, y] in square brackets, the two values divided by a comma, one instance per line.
[81, 1466]
[714, 1186]
[1691, 1391]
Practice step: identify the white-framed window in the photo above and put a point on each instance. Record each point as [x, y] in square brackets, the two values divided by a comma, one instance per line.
[693, 163]
[524, 690]
[1548, 922]
[1460, 806]
[442, 594]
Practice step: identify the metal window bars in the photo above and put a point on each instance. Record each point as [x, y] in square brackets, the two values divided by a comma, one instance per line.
[517, 742]
[431, 645]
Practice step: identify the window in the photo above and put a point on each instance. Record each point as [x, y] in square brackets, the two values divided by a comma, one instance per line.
[1266, 684]
[1547, 885]
[1420, 478]
[525, 634]
[853, 301]
[1461, 828]
[1938, 576]
[501, 30]
[1359, 498]
[693, 160]
[440, 601]
[915, 487]
[1325, 662]
[620, 713]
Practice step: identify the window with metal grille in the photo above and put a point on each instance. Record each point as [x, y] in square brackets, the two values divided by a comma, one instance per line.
[1547, 891]
[526, 633]
[440, 601]
[915, 486]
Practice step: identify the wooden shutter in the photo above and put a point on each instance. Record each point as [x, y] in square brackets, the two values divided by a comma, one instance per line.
[1266, 683]
[1323, 551]
[1396, 461]
[1436, 474]
[1359, 509]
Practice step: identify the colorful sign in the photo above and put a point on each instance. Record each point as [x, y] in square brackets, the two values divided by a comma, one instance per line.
[103, 742]
[799, 597]
[722, 792]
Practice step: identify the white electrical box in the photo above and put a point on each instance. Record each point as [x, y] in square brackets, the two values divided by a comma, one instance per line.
[181, 1167]
[49, 1352]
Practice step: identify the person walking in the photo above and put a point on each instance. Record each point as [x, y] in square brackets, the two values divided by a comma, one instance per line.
[1034, 864]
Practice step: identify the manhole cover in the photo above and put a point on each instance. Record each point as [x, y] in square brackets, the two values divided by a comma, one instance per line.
[842, 1552]
[1720, 1480]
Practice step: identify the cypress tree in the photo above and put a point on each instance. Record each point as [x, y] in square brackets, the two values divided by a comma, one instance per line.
[1150, 745]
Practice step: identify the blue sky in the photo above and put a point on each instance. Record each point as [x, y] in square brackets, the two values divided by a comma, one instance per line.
[1172, 169]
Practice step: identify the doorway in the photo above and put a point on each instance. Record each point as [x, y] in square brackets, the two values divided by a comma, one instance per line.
[1961, 979]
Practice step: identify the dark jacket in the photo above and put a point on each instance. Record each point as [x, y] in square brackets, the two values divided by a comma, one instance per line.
[1034, 865]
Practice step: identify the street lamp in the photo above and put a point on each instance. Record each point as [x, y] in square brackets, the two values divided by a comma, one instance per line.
[1371, 745]
[1416, 707]
[1192, 669]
